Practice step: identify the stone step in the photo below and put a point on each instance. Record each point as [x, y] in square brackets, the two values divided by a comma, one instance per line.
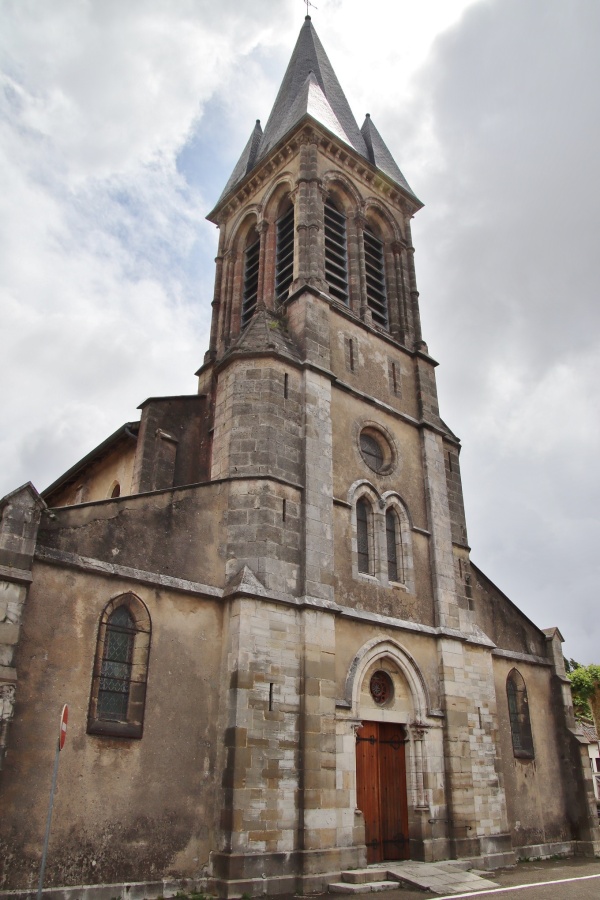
[362, 876]
[347, 887]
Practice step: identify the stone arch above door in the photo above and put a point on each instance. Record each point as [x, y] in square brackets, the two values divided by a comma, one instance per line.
[412, 702]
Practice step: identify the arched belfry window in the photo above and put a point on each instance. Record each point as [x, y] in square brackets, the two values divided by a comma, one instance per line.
[518, 711]
[284, 255]
[375, 278]
[120, 669]
[364, 529]
[336, 252]
[251, 265]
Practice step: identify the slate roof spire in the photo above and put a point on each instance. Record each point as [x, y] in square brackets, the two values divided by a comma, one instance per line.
[310, 87]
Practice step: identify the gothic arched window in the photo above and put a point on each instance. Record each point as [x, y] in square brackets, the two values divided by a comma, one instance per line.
[284, 255]
[251, 265]
[120, 669]
[336, 252]
[375, 278]
[364, 527]
[518, 711]
[395, 550]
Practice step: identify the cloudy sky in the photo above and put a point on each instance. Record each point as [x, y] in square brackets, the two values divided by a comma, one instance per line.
[120, 123]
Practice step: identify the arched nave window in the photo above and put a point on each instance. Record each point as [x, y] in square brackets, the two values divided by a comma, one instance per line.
[518, 711]
[120, 674]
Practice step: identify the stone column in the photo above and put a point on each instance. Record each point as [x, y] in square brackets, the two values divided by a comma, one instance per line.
[360, 224]
[20, 514]
[412, 280]
[216, 302]
[310, 258]
[400, 329]
[263, 228]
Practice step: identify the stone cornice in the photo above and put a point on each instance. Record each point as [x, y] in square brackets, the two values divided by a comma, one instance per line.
[333, 148]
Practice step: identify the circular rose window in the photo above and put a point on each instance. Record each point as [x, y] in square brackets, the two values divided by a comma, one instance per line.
[381, 687]
[376, 450]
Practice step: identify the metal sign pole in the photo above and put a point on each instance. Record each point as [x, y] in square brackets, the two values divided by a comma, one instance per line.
[59, 745]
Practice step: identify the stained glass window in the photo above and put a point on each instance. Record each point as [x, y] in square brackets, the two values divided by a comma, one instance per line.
[381, 687]
[115, 675]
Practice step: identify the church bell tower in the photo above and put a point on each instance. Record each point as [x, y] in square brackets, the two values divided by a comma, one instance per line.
[344, 494]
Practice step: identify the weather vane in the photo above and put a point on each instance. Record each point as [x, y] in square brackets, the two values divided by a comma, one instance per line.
[312, 5]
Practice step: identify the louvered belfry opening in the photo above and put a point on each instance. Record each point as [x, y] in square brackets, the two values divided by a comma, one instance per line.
[375, 277]
[284, 258]
[336, 252]
[251, 263]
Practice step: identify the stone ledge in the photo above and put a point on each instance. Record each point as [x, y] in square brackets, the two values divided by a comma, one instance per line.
[20, 576]
[135, 890]
[545, 851]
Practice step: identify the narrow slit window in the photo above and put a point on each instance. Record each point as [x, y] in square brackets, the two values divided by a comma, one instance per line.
[336, 252]
[284, 258]
[375, 278]
[251, 265]
[363, 521]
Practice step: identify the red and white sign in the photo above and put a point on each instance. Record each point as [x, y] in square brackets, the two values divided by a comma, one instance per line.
[64, 718]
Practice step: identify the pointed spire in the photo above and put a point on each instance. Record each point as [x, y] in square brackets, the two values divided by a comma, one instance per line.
[310, 87]
[246, 161]
[379, 155]
[308, 58]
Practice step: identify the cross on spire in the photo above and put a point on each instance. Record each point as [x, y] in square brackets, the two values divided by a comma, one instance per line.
[312, 5]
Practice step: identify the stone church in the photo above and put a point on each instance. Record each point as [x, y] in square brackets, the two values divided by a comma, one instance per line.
[258, 600]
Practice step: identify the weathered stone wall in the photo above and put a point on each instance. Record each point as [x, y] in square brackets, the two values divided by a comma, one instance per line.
[501, 620]
[124, 808]
[455, 494]
[177, 532]
[174, 443]
[538, 793]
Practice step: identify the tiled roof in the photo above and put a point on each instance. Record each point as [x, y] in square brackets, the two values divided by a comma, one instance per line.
[589, 731]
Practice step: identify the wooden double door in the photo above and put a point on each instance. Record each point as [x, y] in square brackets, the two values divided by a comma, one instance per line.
[381, 789]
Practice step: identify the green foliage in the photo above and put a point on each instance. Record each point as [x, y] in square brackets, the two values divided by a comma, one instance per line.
[584, 681]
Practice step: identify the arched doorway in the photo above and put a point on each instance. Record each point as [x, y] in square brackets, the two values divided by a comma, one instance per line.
[381, 775]
[390, 706]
